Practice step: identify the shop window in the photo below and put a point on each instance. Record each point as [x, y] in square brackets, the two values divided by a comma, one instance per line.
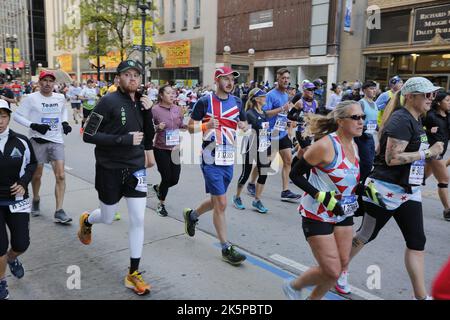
[377, 68]
[394, 28]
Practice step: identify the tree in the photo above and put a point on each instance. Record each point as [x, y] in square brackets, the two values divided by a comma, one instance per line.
[107, 19]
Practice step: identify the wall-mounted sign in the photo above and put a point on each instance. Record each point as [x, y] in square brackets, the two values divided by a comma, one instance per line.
[261, 19]
[174, 54]
[432, 21]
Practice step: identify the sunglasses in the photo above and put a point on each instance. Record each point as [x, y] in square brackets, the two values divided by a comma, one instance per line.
[429, 95]
[356, 117]
[310, 90]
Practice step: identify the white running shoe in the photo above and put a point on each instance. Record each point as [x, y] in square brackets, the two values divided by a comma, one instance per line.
[342, 285]
[293, 294]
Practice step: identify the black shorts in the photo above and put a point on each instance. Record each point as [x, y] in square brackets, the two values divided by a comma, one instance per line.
[283, 143]
[76, 106]
[113, 184]
[86, 113]
[318, 228]
[19, 230]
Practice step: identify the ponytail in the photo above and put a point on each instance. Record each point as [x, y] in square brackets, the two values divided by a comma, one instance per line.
[393, 105]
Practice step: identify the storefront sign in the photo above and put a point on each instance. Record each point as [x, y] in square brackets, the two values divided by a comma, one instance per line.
[110, 61]
[432, 21]
[175, 54]
[261, 19]
[433, 63]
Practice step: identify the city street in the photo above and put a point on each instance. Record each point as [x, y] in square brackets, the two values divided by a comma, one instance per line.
[180, 267]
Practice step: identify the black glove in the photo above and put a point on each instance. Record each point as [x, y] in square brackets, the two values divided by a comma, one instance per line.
[66, 128]
[41, 128]
[330, 202]
[371, 192]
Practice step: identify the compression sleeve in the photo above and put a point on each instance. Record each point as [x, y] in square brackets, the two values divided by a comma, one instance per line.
[297, 176]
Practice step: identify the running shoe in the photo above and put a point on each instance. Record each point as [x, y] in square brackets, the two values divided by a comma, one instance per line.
[290, 196]
[62, 217]
[16, 269]
[293, 294]
[117, 216]
[237, 202]
[251, 188]
[156, 190]
[189, 224]
[233, 257]
[161, 210]
[35, 208]
[85, 232]
[447, 215]
[342, 285]
[259, 206]
[136, 283]
[4, 293]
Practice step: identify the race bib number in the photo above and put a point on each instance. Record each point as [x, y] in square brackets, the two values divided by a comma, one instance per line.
[141, 177]
[52, 122]
[23, 206]
[417, 172]
[371, 127]
[172, 137]
[349, 204]
[224, 155]
[264, 140]
[281, 123]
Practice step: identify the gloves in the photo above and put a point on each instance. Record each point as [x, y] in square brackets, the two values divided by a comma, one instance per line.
[330, 202]
[41, 128]
[66, 128]
[371, 192]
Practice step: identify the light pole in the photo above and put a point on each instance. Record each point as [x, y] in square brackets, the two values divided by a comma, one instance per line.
[226, 56]
[12, 41]
[143, 6]
[251, 56]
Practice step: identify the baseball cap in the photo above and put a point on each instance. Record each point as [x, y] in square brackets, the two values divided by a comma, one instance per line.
[5, 105]
[418, 85]
[46, 73]
[318, 82]
[225, 71]
[127, 65]
[369, 84]
[356, 85]
[394, 80]
[255, 93]
[309, 85]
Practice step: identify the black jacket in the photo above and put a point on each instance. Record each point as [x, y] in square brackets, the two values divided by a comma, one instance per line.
[114, 143]
[17, 164]
[434, 119]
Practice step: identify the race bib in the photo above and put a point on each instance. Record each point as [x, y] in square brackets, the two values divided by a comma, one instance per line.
[172, 137]
[349, 204]
[141, 177]
[281, 123]
[52, 122]
[371, 127]
[224, 155]
[264, 137]
[417, 172]
[23, 206]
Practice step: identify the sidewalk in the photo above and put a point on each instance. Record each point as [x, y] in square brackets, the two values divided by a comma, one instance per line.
[177, 266]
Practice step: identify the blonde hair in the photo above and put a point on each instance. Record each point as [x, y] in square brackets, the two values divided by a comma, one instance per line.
[319, 126]
[251, 102]
[393, 105]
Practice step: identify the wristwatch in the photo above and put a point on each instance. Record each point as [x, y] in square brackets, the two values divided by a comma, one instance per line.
[427, 154]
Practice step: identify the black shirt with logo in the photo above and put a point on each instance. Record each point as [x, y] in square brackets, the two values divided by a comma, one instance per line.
[402, 126]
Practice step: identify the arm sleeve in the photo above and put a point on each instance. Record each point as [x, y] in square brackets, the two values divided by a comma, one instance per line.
[30, 165]
[149, 129]
[64, 113]
[199, 110]
[105, 139]
[297, 176]
[21, 115]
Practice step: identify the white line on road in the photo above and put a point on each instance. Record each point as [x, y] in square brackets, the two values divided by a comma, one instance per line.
[68, 168]
[303, 268]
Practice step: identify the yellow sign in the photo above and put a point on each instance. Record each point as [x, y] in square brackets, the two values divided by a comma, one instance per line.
[65, 62]
[137, 33]
[110, 61]
[9, 57]
[175, 54]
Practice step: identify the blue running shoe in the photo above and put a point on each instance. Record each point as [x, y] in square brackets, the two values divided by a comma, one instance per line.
[259, 206]
[251, 188]
[290, 196]
[16, 269]
[237, 202]
[4, 294]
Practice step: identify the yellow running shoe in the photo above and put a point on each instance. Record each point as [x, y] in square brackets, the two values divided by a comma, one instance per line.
[84, 233]
[136, 283]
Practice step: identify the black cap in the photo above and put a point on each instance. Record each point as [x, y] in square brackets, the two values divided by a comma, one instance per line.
[127, 65]
[369, 84]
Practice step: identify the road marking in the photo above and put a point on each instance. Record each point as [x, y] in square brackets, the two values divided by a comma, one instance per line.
[68, 168]
[298, 266]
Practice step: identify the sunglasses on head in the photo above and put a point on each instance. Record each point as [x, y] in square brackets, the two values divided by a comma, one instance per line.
[356, 117]
[429, 95]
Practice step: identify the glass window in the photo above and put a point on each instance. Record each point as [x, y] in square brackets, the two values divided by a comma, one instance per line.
[173, 20]
[394, 28]
[197, 13]
[185, 14]
[377, 68]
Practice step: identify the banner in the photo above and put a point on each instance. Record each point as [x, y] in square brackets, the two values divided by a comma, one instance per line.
[137, 34]
[348, 16]
[175, 54]
[110, 61]
[65, 62]
[9, 57]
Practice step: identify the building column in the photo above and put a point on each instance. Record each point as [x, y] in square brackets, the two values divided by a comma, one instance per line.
[300, 76]
[269, 75]
[331, 77]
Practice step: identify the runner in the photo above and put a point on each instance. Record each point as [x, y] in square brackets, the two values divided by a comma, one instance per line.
[335, 97]
[16, 88]
[329, 200]
[395, 85]
[222, 114]
[437, 126]
[168, 120]
[259, 145]
[17, 164]
[74, 94]
[398, 174]
[45, 113]
[89, 97]
[276, 108]
[5, 93]
[123, 135]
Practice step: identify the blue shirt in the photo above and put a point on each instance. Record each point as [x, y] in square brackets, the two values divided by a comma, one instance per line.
[276, 99]
[382, 100]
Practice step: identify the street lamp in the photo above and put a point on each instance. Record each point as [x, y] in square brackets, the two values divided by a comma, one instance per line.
[12, 39]
[143, 6]
[251, 65]
[226, 56]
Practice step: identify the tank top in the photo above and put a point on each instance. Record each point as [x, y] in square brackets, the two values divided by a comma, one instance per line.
[342, 176]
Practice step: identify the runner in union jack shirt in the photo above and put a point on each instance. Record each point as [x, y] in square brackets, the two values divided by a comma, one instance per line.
[221, 115]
